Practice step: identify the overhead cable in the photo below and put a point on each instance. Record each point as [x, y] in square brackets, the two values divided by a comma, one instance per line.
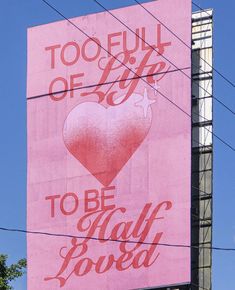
[182, 41]
[164, 96]
[153, 48]
[113, 240]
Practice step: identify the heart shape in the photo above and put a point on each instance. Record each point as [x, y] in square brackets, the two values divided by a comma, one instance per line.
[104, 139]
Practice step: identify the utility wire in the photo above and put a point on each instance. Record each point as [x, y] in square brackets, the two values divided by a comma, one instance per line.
[182, 41]
[177, 106]
[152, 47]
[88, 36]
[102, 84]
[219, 101]
[106, 83]
[216, 70]
[113, 240]
[193, 140]
[204, 192]
[172, 32]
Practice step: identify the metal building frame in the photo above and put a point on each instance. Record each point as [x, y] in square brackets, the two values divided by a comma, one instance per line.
[202, 153]
[202, 148]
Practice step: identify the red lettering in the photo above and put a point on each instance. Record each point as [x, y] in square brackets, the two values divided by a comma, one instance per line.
[136, 42]
[105, 197]
[52, 198]
[63, 53]
[91, 201]
[100, 221]
[85, 56]
[73, 84]
[125, 257]
[161, 45]
[146, 255]
[73, 208]
[54, 93]
[52, 49]
[100, 263]
[86, 263]
[121, 231]
[111, 43]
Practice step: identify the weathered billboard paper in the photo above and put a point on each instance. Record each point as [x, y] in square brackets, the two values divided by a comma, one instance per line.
[108, 156]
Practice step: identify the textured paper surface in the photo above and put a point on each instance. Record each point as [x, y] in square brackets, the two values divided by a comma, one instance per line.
[109, 159]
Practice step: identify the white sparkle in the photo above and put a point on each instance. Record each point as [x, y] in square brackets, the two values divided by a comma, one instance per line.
[145, 103]
[156, 87]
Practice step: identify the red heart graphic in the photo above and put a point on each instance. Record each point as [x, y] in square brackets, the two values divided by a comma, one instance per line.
[104, 139]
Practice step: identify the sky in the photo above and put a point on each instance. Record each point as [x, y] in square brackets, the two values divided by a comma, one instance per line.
[16, 17]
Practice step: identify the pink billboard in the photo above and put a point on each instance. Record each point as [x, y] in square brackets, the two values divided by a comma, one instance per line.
[109, 154]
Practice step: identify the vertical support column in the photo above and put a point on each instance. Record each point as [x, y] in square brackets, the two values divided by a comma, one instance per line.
[202, 149]
[202, 152]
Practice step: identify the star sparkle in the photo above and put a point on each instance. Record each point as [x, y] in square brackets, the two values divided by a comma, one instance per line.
[145, 103]
[156, 87]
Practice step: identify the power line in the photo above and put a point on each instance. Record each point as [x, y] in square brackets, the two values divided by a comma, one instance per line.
[149, 45]
[150, 13]
[114, 240]
[182, 41]
[164, 96]
[218, 100]
[102, 84]
[195, 187]
[216, 70]
[106, 83]
[152, 47]
[83, 32]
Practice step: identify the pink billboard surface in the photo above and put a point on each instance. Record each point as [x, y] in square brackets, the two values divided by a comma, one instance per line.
[109, 152]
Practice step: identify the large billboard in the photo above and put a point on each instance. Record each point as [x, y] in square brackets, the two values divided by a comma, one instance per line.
[109, 150]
